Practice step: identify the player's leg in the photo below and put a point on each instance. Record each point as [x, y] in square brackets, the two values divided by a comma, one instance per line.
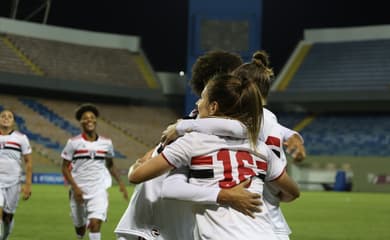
[94, 229]
[1, 214]
[1, 224]
[78, 213]
[8, 224]
[10, 203]
[97, 213]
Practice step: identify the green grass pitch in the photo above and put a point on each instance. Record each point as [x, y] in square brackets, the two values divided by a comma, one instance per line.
[314, 216]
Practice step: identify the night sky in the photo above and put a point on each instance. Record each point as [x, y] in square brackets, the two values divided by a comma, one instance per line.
[162, 25]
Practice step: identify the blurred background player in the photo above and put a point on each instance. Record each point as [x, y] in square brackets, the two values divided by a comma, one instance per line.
[14, 146]
[91, 156]
[224, 162]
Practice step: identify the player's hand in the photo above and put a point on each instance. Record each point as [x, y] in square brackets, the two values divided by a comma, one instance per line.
[78, 195]
[241, 199]
[294, 147]
[26, 191]
[169, 135]
[123, 190]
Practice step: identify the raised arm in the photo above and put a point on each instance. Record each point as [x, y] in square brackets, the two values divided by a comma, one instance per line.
[215, 126]
[143, 171]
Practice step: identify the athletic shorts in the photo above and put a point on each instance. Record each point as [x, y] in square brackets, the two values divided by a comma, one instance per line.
[9, 198]
[282, 236]
[95, 207]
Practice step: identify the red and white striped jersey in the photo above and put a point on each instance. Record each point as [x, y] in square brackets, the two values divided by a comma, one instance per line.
[224, 162]
[12, 148]
[89, 163]
[272, 133]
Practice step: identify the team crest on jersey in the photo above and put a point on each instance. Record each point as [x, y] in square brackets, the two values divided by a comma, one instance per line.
[92, 154]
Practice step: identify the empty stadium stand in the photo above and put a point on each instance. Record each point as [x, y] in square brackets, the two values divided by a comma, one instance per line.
[337, 70]
[9, 60]
[348, 134]
[98, 65]
[340, 66]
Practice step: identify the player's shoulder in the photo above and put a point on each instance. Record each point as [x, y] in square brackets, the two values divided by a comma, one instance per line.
[76, 138]
[18, 133]
[104, 138]
[268, 115]
[199, 135]
[263, 149]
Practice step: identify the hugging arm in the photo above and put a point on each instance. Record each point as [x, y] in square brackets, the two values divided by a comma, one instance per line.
[176, 186]
[293, 142]
[214, 126]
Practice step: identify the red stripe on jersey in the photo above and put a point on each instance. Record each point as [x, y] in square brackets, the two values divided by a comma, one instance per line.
[273, 141]
[202, 160]
[13, 143]
[81, 151]
[262, 165]
[101, 151]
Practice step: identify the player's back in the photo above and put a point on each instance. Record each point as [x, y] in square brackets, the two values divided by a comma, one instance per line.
[225, 162]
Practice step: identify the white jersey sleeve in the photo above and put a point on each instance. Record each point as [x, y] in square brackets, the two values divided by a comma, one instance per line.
[275, 166]
[110, 150]
[179, 153]
[176, 186]
[68, 151]
[25, 145]
[215, 126]
[287, 133]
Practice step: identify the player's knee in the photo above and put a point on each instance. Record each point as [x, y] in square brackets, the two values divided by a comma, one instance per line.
[94, 225]
[7, 217]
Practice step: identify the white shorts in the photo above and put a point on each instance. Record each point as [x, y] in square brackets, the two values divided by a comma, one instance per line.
[95, 207]
[9, 198]
[283, 236]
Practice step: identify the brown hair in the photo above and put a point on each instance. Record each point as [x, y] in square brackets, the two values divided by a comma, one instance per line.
[210, 64]
[239, 99]
[257, 70]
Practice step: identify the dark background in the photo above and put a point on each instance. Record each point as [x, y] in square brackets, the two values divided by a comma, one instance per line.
[162, 25]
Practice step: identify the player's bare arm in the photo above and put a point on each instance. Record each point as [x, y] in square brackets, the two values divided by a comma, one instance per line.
[294, 147]
[26, 190]
[78, 194]
[240, 199]
[169, 134]
[115, 174]
[237, 197]
[143, 171]
[289, 190]
[141, 160]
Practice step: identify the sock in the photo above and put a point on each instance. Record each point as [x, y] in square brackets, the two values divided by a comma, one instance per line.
[94, 236]
[7, 229]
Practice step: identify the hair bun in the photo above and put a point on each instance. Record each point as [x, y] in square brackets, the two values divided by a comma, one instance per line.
[260, 58]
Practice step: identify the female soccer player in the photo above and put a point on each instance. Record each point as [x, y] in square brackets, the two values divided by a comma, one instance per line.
[272, 133]
[87, 165]
[224, 162]
[13, 147]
